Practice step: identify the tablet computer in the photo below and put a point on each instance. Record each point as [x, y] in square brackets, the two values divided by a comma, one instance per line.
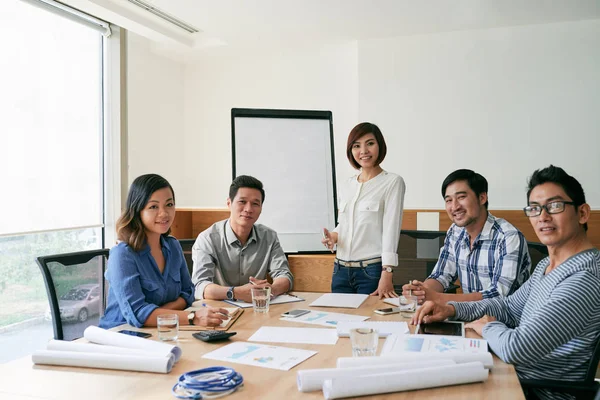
[446, 328]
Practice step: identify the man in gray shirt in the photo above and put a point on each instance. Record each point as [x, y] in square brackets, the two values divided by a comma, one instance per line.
[234, 255]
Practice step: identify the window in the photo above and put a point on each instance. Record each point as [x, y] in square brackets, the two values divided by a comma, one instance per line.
[54, 158]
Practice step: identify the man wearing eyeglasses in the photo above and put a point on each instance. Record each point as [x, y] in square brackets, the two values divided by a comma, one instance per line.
[487, 254]
[549, 326]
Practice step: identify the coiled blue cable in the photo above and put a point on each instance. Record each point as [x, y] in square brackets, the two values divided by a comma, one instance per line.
[207, 383]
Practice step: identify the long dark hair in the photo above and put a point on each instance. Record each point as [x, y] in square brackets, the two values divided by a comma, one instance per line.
[130, 228]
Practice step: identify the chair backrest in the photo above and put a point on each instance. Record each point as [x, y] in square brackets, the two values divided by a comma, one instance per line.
[418, 252]
[186, 245]
[594, 362]
[537, 252]
[76, 290]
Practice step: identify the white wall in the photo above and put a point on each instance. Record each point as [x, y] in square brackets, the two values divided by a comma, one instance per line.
[503, 102]
[155, 113]
[321, 78]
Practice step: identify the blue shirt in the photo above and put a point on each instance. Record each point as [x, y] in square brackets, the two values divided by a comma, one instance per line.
[496, 266]
[137, 287]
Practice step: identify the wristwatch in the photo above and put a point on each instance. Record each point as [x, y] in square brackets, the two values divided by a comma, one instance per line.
[191, 316]
[387, 269]
[230, 294]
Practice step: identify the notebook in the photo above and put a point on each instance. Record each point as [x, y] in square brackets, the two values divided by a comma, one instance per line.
[341, 300]
[281, 299]
[234, 314]
[384, 328]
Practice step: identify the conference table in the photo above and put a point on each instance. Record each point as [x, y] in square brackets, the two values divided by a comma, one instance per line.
[21, 379]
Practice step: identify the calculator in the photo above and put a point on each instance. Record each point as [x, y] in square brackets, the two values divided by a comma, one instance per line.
[211, 336]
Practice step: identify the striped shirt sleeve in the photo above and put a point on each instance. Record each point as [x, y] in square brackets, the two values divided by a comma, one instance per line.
[445, 270]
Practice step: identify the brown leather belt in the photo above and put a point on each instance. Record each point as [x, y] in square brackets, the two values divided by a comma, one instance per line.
[358, 264]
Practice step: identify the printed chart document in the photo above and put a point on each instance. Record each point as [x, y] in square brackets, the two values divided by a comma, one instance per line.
[294, 335]
[281, 299]
[341, 300]
[383, 328]
[323, 318]
[260, 355]
[432, 344]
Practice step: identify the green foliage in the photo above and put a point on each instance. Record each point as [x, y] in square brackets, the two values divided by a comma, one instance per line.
[18, 253]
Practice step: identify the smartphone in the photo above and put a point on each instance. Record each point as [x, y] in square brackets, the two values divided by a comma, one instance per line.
[294, 313]
[446, 328]
[136, 333]
[387, 311]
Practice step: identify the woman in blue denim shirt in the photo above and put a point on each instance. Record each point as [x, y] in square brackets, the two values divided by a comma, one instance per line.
[147, 272]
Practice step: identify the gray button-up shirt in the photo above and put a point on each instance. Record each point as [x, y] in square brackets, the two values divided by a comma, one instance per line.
[220, 258]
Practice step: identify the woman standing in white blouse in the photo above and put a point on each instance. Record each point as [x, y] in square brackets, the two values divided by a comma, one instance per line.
[370, 217]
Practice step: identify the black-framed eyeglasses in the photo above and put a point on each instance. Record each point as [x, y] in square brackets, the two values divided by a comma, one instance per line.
[554, 207]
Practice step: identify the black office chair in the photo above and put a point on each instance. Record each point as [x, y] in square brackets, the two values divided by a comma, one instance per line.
[588, 388]
[76, 290]
[537, 252]
[418, 252]
[186, 245]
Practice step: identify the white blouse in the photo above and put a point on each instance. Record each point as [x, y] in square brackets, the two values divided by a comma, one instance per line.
[370, 217]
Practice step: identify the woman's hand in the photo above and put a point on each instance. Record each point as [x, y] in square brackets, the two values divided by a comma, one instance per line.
[329, 239]
[385, 287]
[210, 316]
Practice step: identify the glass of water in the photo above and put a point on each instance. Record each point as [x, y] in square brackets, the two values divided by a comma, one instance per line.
[364, 342]
[168, 326]
[261, 298]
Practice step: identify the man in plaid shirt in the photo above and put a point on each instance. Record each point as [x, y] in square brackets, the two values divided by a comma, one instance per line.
[487, 254]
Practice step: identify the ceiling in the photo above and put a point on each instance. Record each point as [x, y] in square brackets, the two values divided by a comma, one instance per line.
[272, 23]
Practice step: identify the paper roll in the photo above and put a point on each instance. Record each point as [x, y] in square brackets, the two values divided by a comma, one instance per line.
[63, 345]
[111, 338]
[310, 380]
[338, 388]
[149, 363]
[460, 358]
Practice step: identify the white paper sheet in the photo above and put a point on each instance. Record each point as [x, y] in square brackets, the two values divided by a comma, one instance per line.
[111, 338]
[129, 362]
[278, 334]
[423, 378]
[460, 358]
[384, 328]
[281, 299]
[432, 344]
[63, 345]
[324, 318]
[260, 355]
[310, 380]
[342, 300]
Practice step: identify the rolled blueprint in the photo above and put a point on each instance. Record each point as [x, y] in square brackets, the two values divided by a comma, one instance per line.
[310, 380]
[458, 357]
[81, 347]
[423, 378]
[111, 338]
[129, 362]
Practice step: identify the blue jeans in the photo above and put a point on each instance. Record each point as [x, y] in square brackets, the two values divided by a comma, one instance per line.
[355, 280]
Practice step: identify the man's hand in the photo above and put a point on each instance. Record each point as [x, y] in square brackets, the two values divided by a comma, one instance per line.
[432, 311]
[385, 287]
[418, 289]
[478, 324]
[243, 292]
[210, 316]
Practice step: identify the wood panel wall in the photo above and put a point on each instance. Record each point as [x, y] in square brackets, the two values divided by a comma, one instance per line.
[313, 272]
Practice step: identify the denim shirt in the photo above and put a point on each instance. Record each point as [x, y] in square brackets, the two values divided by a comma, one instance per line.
[137, 287]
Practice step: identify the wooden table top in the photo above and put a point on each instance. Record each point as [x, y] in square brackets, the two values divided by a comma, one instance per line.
[21, 379]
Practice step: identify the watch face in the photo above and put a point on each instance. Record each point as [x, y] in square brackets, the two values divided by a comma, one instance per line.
[191, 315]
[230, 294]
